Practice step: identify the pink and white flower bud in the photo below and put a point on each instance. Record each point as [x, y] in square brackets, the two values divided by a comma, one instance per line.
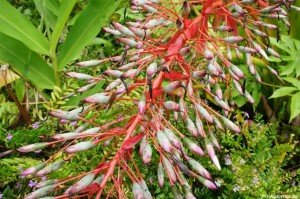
[50, 168]
[33, 147]
[269, 9]
[233, 75]
[142, 104]
[170, 105]
[113, 84]
[111, 31]
[91, 131]
[191, 127]
[113, 73]
[199, 126]
[86, 87]
[127, 66]
[175, 114]
[212, 69]
[147, 154]
[217, 123]
[222, 104]
[152, 69]
[187, 193]
[228, 53]
[238, 86]
[169, 170]
[218, 91]
[260, 50]
[247, 50]
[64, 115]
[45, 183]
[99, 98]
[143, 145]
[66, 136]
[198, 74]
[172, 138]
[89, 63]
[208, 54]
[214, 140]
[81, 128]
[81, 146]
[160, 175]
[80, 76]
[233, 39]
[224, 28]
[211, 153]
[40, 192]
[229, 124]
[209, 184]
[193, 146]
[32, 170]
[139, 2]
[146, 192]
[150, 9]
[170, 88]
[257, 76]
[124, 30]
[130, 42]
[204, 113]
[179, 24]
[133, 24]
[185, 51]
[237, 71]
[137, 191]
[131, 73]
[249, 97]
[186, 9]
[82, 183]
[176, 192]
[164, 142]
[140, 32]
[198, 168]
[273, 52]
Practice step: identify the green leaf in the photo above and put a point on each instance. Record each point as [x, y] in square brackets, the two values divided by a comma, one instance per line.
[64, 12]
[86, 27]
[293, 81]
[75, 100]
[295, 106]
[15, 25]
[26, 62]
[283, 92]
[48, 10]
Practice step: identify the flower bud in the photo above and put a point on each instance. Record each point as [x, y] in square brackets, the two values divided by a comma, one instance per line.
[81, 146]
[249, 97]
[193, 146]
[147, 154]
[113, 73]
[175, 192]
[80, 76]
[111, 31]
[130, 42]
[146, 192]
[113, 84]
[218, 91]
[64, 115]
[169, 169]
[97, 98]
[211, 153]
[204, 113]
[45, 183]
[89, 63]
[142, 104]
[50, 168]
[217, 123]
[164, 142]
[186, 9]
[273, 52]
[247, 49]
[191, 127]
[99, 179]
[160, 175]
[170, 88]
[152, 69]
[222, 104]
[33, 170]
[229, 124]
[237, 71]
[173, 139]
[233, 39]
[143, 145]
[224, 28]
[124, 30]
[66, 136]
[131, 73]
[198, 168]
[33, 147]
[187, 193]
[170, 105]
[82, 183]
[86, 87]
[137, 191]
[199, 126]
[260, 50]
[40, 192]
[214, 140]
[209, 184]
[212, 69]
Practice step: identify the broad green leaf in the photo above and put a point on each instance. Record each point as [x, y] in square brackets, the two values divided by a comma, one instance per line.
[86, 27]
[48, 10]
[65, 9]
[75, 100]
[27, 63]
[295, 106]
[15, 25]
[284, 91]
[293, 81]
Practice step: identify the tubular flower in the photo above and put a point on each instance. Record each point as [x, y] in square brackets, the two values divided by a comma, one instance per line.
[175, 56]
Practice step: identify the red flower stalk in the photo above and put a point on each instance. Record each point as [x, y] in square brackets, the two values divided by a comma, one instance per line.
[175, 57]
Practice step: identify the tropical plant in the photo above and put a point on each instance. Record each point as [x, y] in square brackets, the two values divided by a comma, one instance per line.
[176, 60]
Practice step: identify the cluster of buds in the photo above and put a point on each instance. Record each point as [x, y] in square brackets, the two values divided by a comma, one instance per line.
[179, 58]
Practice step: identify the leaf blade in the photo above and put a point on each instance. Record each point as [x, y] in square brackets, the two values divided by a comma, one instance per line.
[86, 28]
[295, 106]
[281, 92]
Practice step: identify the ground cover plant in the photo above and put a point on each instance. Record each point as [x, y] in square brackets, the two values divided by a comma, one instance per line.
[161, 116]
